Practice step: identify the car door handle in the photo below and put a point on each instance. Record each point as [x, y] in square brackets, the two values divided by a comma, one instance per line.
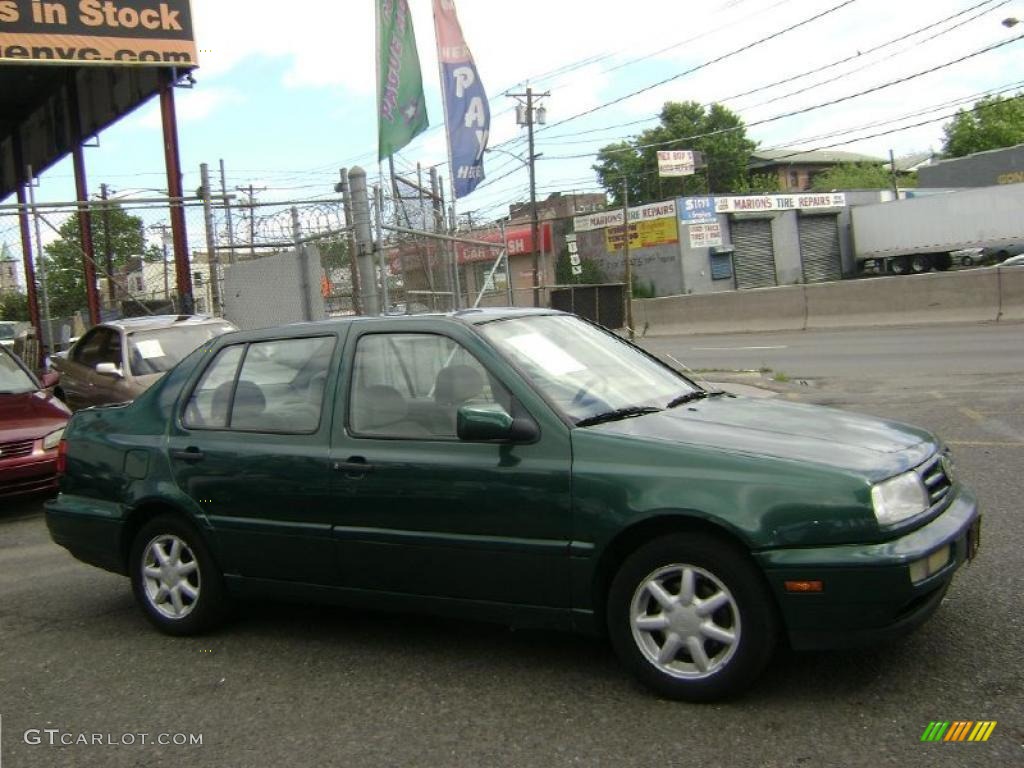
[189, 454]
[356, 466]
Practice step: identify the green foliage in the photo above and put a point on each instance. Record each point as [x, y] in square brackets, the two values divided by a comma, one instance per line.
[642, 290]
[334, 252]
[761, 184]
[722, 140]
[854, 176]
[993, 123]
[65, 279]
[13, 306]
[591, 275]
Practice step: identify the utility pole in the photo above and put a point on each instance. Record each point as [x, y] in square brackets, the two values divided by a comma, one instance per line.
[212, 260]
[625, 256]
[227, 212]
[528, 116]
[251, 202]
[108, 255]
[41, 267]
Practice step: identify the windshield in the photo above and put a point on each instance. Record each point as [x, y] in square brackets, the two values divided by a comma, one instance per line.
[160, 350]
[6, 331]
[584, 371]
[13, 379]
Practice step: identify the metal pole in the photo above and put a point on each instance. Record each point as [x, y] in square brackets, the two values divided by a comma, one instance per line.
[108, 256]
[346, 204]
[456, 280]
[82, 193]
[364, 239]
[44, 339]
[227, 212]
[302, 258]
[172, 161]
[438, 205]
[534, 224]
[892, 170]
[625, 256]
[508, 268]
[212, 259]
[378, 199]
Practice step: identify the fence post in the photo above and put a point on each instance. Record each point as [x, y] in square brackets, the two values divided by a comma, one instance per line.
[212, 258]
[346, 203]
[302, 259]
[378, 199]
[364, 240]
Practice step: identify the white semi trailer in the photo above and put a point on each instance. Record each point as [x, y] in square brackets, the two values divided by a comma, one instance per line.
[923, 233]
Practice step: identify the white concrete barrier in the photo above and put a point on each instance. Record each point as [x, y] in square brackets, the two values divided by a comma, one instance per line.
[968, 296]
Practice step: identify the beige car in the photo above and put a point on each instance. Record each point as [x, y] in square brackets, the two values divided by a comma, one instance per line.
[116, 361]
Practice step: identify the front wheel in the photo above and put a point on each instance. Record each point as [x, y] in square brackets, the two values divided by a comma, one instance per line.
[174, 578]
[691, 617]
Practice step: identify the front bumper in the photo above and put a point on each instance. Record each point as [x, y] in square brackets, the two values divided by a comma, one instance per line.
[32, 474]
[868, 595]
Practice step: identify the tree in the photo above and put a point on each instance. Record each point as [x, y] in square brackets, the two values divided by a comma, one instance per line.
[13, 305]
[992, 123]
[715, 131]
[65, 278]
[591, 274]
[854, 176]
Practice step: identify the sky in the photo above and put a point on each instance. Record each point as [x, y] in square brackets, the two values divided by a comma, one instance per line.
[285, 92]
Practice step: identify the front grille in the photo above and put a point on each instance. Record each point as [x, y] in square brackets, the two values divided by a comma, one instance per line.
[16, 450]
[935, 476]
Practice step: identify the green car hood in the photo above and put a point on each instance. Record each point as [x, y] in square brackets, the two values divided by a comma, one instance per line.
[869, 446]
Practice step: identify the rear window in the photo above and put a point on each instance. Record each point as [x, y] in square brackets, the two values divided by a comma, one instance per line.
[160, 350]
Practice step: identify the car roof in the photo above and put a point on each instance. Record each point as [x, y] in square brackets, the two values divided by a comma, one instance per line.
[154, 322]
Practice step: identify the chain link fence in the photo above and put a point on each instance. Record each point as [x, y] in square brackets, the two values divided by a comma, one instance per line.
[256, 263]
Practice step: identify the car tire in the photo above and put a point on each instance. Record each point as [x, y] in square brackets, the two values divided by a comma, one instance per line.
[174, 578]
[921, 264]
[723, 626]
[967, 261]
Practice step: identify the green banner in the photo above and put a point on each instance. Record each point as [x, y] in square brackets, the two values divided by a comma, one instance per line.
[401, 109]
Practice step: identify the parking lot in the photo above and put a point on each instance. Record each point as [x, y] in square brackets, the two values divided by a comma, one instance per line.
[302, 685]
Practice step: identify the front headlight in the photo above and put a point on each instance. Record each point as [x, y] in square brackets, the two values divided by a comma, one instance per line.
[51, 440]
[898, 498]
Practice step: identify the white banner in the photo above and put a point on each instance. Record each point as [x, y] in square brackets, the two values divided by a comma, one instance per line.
[605, 219]
[755, 203]
[675, 162]
[705, 235]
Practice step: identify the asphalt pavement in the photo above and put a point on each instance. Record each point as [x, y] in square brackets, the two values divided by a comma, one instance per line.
[304, 685]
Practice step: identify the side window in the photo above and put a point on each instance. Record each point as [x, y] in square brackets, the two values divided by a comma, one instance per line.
[281, 385]
[208, 406]
[90, 350]
[411, 385]
[112, 351]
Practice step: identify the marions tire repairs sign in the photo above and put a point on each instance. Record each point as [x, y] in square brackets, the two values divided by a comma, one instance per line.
[102, 32]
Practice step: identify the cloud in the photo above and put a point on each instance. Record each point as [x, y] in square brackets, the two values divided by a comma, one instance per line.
[191, 105]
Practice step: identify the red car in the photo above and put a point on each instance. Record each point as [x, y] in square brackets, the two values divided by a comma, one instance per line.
[31, 425]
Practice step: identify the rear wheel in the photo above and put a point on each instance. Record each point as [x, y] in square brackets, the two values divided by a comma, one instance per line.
[921, 264]
[901, 265]
[174, 578]
[691, 617]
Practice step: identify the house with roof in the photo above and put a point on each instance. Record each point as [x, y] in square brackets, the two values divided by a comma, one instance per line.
[796, 169]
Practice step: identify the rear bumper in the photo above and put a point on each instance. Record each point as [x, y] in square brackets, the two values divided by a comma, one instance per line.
[868, 594]
[92, 533]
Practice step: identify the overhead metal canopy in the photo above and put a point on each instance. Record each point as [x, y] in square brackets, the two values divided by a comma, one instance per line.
[37, 103]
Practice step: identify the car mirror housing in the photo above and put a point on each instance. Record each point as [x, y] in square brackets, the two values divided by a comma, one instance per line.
[50, 379]
[492, 422]
[109, 369]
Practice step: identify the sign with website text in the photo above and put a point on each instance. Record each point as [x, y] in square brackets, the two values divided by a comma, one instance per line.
[81, 32]
[756, 203]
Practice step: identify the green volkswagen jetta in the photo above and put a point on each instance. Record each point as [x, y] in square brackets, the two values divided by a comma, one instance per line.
[520, 466]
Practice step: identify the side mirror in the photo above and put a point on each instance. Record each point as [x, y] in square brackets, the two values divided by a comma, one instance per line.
[49, 379]
[492, 422]
[109, 369]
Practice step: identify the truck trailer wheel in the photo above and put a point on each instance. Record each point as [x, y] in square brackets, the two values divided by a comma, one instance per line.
[942, 262]
[901, 265]
[920, 264]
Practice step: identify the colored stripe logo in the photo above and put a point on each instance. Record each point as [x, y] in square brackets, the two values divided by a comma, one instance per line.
[959, 730]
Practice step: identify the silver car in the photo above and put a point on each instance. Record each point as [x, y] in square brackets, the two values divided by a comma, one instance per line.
[116, 361]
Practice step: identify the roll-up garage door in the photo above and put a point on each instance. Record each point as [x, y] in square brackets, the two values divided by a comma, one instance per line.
[754, 258]
[819, 248]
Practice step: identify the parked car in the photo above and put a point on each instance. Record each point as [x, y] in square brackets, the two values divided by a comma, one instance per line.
[32, 423]
[1001, 253]
[115, 361]
[1014, 261]
[522, 466]
[9, 330]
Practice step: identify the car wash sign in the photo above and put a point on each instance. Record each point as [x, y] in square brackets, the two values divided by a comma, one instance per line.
[103, 32]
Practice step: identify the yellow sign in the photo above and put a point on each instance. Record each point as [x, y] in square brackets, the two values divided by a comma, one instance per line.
[644, 234]
[148, 32]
